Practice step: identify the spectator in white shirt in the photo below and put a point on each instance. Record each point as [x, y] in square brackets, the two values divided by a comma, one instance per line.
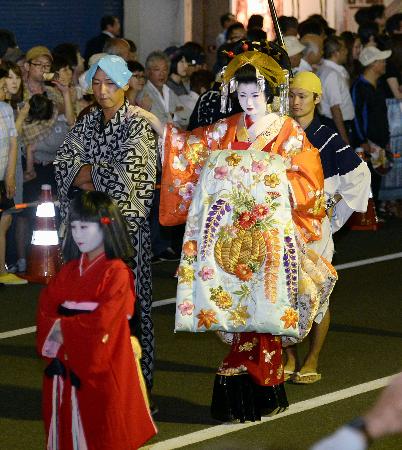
[165, 103]
[312, 52]
[336, 106]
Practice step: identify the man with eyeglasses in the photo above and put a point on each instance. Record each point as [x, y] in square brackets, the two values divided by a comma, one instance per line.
[38, 62]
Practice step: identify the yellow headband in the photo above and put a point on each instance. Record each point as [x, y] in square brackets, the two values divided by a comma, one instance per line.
[308, 81]
[263, 63]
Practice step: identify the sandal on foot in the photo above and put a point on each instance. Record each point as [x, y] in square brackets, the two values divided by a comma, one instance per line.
[306, 378]
[288, 374]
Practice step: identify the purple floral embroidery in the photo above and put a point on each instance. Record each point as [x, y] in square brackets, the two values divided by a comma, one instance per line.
[258, 166]
[215, 214]
[187, 191]
[290, 265]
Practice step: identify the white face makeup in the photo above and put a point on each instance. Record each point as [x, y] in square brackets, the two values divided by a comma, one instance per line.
[87, 235]
[252, 100]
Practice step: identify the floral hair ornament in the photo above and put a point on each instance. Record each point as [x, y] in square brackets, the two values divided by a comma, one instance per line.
[105, 220]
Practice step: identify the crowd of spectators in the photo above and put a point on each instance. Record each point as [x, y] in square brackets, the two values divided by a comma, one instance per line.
[361, 75]
[44, 90]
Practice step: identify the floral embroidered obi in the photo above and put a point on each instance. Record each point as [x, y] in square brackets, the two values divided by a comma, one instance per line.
[240, 262]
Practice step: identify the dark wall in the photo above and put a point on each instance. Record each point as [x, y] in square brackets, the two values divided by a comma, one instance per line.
[51, 22]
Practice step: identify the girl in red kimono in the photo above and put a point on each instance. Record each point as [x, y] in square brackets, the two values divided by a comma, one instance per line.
[249, 382]
[92, 392]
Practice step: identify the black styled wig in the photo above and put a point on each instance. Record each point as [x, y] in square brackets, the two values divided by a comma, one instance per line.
[93, 206]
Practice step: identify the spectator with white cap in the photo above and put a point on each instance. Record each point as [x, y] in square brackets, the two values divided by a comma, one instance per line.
[295, 50]
[371, 131]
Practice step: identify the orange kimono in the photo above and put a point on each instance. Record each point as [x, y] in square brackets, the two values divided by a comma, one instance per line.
[185, 152]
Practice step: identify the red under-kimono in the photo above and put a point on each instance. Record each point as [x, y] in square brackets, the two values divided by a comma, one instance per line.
[260, 353]
[97, 402]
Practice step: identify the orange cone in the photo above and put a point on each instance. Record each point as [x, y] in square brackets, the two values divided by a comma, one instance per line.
[366, 221]
[44, 258]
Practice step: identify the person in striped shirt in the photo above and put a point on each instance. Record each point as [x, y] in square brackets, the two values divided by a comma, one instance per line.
[347, 189]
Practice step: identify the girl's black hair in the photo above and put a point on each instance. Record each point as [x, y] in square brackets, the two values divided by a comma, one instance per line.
[3, 72]
[40, 108]
[93, 206]
[175, 55]
[367, 31]
[68, 51]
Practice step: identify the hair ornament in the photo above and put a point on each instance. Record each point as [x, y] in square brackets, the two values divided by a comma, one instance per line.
[265, 64]
[224, 92]
[284, 95]
[271, 64]
[229, 53]
[232, 85]
[105, 220]
[260, 80]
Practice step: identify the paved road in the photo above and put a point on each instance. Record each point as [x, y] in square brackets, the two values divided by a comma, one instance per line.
[364, 344]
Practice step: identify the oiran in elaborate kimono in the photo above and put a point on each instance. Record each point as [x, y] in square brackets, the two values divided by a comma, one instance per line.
[255, 186]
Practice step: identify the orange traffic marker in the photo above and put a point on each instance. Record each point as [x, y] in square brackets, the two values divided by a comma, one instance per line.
[44, 258]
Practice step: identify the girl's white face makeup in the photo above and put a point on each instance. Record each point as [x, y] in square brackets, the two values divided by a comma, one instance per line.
[87, 235]
[251, 99]
[13, 83]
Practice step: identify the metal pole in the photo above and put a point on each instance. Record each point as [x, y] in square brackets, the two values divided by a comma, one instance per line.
[274, 17]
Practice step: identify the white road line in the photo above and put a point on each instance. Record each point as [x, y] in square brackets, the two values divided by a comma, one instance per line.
[365, 262]
[13, 333]
[169, 301]
[305, 405]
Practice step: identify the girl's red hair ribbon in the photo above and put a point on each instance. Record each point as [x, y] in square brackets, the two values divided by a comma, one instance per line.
[105, 220]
